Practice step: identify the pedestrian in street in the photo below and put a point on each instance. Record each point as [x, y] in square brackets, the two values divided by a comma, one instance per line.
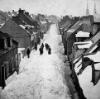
[41, 49]
[48, 48]
[28, 53]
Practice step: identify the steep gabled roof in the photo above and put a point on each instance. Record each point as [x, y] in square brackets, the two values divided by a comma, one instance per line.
[13, 29]
[23, 18]
[4, 35]
[74, 28]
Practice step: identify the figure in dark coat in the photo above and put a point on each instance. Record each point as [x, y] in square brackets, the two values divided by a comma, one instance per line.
[41, 49]
[47, 46]
[28, 53]
[49, 50]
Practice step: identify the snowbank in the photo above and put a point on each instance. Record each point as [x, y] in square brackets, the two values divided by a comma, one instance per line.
[89, 90]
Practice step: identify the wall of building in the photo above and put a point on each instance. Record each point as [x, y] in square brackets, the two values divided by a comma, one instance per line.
[18, 34]
[9, 60]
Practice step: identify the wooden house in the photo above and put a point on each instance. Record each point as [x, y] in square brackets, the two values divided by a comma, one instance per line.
[8, 57]
[70, 37]
[18, 33]
[95, 39]
[64, 24]
[87, 23]
[93, 46]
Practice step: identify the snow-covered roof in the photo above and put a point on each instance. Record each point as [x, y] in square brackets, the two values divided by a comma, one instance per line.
[82, 34]
[22, 26]
[82, 45]
[1, 25]
[20, 50]
[75, 27]
[71, 30]
[30, 26]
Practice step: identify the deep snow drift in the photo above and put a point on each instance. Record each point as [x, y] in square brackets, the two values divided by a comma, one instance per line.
[41, 76]
[89, 90]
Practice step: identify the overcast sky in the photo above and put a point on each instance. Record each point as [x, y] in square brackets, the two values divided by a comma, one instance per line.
[57, 7]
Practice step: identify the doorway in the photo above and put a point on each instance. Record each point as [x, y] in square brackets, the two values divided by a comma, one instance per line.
[3, 72]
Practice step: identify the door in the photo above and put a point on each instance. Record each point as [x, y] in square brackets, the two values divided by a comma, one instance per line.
[3, 76]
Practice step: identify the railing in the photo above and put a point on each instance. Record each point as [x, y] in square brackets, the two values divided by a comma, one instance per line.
[95, 39]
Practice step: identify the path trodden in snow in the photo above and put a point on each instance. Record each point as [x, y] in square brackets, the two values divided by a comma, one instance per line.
[41, 76]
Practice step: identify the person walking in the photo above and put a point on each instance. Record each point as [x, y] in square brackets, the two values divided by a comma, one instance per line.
[28, 53]
[47, 46]
[41, 49]
[49, 50]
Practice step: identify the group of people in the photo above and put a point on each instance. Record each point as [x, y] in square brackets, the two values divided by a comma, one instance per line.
[47, 47]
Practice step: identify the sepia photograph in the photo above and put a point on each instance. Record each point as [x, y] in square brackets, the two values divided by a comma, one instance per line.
[49, 49]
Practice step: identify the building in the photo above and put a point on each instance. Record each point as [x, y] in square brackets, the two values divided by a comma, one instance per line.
[8, 57]
[96, 24]
[90, 74]
[18, 33]
[87, 22]
[65, 23]
[70, 36]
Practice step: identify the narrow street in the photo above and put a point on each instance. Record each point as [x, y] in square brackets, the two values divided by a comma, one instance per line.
[42, 76]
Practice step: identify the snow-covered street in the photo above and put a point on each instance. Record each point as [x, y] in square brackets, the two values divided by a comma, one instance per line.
[41, 76]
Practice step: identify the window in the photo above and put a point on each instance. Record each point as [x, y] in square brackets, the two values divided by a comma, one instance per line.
[8, 42]
[2, 46]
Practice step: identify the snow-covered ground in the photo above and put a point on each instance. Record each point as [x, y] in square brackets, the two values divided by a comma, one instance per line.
[41, 76]
[89, 90]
